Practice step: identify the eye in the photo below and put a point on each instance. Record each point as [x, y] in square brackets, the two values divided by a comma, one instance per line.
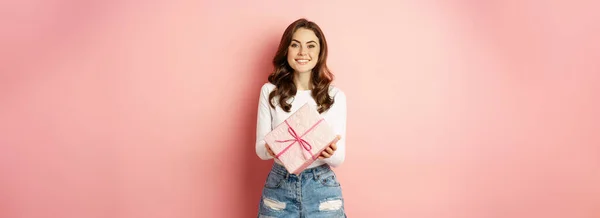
[294, 45]
[311, 46]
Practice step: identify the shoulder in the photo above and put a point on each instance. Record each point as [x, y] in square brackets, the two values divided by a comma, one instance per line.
[336, 92]
[267, 88]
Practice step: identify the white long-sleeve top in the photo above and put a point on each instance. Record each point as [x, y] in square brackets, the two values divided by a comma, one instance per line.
[269, 118]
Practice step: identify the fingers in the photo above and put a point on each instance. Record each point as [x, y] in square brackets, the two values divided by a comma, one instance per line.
[324, 154]
[269, 150]
[333, 146]
[329, 151]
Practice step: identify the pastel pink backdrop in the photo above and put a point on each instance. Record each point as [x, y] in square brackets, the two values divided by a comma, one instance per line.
[147, 109]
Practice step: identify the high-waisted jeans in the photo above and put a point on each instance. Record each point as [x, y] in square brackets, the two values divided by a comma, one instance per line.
[314, 193]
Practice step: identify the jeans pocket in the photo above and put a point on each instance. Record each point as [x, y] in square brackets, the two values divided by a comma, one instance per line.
[328, 179]
[274, 180]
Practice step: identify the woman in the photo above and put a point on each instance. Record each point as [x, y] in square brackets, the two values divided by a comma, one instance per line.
[301, 76]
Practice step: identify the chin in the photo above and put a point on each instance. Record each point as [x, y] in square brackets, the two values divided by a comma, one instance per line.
[303, 69]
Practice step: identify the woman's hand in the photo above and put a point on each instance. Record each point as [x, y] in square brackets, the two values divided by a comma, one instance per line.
[328, 152]
[269, 150]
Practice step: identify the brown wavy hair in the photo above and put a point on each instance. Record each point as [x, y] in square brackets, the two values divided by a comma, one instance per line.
[283, 75]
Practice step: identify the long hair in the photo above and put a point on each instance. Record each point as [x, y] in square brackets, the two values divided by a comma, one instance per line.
[283, 75]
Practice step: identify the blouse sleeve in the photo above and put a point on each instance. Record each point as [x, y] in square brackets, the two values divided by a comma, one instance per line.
[337, 119]
[263, 123]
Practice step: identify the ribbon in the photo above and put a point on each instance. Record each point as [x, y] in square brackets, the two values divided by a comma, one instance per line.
[303, 143]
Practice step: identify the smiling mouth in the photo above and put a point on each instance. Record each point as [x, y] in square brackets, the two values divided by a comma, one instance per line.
[302, 61]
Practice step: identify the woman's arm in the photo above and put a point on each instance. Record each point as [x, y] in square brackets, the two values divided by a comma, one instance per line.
[263, 123]
[337, 120]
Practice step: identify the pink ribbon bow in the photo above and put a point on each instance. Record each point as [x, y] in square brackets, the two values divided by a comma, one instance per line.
[305, 145]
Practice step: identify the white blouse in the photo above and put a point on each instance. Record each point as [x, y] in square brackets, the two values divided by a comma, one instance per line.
[269, 118]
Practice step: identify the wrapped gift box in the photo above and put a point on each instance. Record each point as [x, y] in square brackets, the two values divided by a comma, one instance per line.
[300, 139]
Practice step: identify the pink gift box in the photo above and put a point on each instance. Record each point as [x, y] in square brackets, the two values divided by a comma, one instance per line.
[300, 139]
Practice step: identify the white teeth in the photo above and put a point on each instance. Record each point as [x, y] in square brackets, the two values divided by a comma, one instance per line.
[302, 61]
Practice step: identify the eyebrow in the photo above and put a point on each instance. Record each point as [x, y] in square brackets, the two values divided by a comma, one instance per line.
[306, 43]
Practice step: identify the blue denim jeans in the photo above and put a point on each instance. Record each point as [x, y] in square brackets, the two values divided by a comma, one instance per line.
[314, 193]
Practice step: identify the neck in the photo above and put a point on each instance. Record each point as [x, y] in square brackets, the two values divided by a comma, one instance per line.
[302, 80]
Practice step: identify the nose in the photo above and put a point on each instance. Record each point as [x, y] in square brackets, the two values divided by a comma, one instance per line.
[302, 51]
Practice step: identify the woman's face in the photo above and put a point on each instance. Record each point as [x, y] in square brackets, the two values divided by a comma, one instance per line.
[303, 52]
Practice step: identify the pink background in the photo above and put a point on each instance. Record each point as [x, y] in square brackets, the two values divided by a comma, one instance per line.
[147, 109]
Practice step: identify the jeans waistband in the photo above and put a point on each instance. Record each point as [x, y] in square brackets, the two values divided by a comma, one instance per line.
[318, 170]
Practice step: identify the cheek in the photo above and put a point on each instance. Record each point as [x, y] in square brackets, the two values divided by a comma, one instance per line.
[291, 52]
[315, 54]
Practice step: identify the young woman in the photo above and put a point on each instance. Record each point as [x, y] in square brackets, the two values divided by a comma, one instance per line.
[301, 76]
